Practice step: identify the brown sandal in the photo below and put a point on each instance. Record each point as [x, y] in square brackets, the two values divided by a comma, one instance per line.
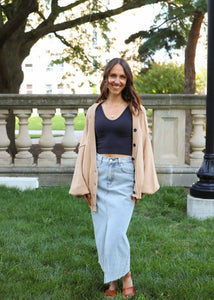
[111, 293]
[128, 292]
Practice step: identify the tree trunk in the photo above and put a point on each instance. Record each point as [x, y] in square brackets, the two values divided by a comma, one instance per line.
[190, 53]
[190, 85]
[11, 77]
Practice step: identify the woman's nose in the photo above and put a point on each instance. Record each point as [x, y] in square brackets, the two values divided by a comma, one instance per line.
[117, 79]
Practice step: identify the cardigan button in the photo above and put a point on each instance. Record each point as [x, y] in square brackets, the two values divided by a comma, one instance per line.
[135, 130]
[134, 145]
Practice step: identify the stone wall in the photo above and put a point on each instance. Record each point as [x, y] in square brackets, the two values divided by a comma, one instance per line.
[167, 127]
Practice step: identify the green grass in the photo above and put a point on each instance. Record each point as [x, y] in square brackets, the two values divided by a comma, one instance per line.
[47, 248]
[58, 122]
[37, 136]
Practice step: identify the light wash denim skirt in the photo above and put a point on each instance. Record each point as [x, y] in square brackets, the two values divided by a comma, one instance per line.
[113, 215]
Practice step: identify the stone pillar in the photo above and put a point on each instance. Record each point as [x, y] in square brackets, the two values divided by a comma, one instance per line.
[197, 140]
[69, 141]
[46, 158]
[5, 158]
[23, 141]
[169, 137]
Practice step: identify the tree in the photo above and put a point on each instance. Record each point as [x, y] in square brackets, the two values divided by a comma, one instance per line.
[160, 79]
[24, 22]
[179, 26]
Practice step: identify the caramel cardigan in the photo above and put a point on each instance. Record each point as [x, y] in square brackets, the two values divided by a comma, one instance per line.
[85, 175]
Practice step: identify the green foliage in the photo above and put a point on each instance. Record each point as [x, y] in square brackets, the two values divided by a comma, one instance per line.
[79, 50]
[165, 38]
[201, 80]
[160, 79]
[58, 122]
[201, 5]
[79, 121]
[48, 251]
[170, 29]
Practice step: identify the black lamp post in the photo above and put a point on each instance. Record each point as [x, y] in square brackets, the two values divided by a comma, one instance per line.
[204, 188]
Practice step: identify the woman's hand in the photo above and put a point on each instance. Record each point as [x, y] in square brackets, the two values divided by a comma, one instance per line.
[136, 201]
[87, 198]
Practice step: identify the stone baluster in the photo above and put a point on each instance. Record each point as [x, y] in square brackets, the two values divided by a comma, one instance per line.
[5, 158]
[69, 141]
[46, 142]
[23, 141]
[197, 140]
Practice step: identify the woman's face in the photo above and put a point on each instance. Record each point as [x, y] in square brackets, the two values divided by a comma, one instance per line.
[116, 80]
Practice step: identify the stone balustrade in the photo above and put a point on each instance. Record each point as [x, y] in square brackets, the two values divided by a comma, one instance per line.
[167, 128]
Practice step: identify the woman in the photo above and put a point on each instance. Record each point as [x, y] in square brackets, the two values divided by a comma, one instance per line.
[114, 168]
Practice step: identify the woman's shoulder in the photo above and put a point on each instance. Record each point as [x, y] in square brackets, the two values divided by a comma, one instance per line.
[92, 108]
[143, 109]
[141, 112]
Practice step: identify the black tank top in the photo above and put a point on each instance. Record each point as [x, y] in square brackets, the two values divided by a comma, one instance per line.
[113, 136]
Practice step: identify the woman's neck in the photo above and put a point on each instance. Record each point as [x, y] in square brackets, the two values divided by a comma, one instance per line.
[112, 99]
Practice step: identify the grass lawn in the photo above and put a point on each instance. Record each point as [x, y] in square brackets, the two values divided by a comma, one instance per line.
[47, 248]
[58, 122]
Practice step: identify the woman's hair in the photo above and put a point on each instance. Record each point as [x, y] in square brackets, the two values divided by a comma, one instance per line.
[129, 93]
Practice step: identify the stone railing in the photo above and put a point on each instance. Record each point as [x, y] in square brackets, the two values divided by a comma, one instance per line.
[167, 131]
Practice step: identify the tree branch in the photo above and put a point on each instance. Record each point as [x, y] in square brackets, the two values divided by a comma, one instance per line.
[164, 22]
[48, 27]
[1, 17]
[63, 40]
[72, 5]
[67, 44]
[41, 15]
[146, 34]
[56, 9]
[24, 9]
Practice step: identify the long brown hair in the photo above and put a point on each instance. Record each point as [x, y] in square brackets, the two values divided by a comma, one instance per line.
[129, 93]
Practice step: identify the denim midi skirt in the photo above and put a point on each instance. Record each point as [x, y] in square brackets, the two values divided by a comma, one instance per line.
[113, 215]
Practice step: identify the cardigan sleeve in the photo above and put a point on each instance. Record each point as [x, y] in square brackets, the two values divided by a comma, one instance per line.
[150, 183]
[78, 186]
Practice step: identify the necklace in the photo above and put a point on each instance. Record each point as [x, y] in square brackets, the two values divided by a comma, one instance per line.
[112, 115]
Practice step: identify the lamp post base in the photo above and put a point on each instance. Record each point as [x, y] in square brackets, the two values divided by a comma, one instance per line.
[200, 208]
[204, 188]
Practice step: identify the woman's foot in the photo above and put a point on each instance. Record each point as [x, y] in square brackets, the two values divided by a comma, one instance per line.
[127, 281]
[128, 288]
[111, 291]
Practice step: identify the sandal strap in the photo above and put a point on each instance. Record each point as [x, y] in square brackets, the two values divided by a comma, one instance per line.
[128, 292]
[110, 292]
